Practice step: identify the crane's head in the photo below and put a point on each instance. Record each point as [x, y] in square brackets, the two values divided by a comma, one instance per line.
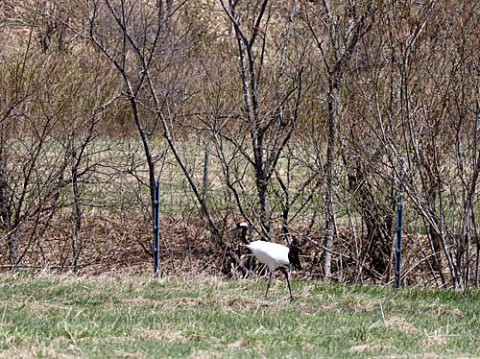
[243, 226]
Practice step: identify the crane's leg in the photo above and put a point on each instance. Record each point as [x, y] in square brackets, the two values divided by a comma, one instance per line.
[268, 285]
[287, 275]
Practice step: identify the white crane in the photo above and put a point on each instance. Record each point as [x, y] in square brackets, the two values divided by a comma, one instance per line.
[275, 256]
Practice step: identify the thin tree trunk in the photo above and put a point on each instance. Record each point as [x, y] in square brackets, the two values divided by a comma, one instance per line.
[77, 211]
[5, 210]
[333, 107]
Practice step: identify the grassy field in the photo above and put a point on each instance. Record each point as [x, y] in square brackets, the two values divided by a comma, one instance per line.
[63, 316]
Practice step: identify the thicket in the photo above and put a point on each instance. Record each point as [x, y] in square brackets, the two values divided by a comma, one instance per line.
[307, 119]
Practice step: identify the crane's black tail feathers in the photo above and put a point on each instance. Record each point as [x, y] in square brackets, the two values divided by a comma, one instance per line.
[293, 257]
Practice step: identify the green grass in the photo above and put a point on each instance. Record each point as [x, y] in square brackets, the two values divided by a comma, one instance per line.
[53, 316]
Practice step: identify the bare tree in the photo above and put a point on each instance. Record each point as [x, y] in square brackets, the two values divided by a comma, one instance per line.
[266, 124]
[147, 57]
[345, 25]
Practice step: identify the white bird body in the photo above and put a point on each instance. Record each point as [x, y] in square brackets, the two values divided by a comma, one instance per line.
[274, 255]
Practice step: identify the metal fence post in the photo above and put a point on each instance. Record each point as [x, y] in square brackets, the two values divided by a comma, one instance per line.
[206, 172]
[156, 229]
[398, 244]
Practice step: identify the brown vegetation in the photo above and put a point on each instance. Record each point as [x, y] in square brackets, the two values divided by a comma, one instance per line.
[307, 119]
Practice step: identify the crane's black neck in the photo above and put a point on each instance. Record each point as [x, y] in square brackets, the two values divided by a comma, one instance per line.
[243, 233]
